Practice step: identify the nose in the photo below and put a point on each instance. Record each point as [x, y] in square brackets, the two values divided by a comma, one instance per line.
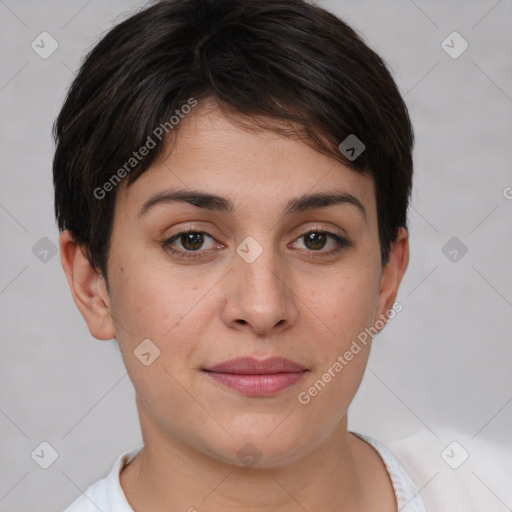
[260, 294]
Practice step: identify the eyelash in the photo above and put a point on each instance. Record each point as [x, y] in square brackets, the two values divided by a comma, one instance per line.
[342, 243]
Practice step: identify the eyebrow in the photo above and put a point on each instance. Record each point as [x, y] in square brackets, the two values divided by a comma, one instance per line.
[221, 204]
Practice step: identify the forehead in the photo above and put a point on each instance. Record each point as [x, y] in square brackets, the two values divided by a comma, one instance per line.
[254, 168]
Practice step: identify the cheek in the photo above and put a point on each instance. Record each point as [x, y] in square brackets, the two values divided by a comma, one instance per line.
[172, 316]
[150, 303]
[171, 306]
[341, 350]
[348, 304]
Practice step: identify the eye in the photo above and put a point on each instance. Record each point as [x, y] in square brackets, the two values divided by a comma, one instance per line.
[191, 242]
[315, 240]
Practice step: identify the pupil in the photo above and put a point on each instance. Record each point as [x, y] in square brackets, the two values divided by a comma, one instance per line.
[320, 240]
[192, 241]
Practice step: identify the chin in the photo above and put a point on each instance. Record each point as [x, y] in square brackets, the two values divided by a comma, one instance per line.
[259, 448]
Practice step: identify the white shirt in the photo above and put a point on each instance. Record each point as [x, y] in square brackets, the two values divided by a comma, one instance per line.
[427, 473]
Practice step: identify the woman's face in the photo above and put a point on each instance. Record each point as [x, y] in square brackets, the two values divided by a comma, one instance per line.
[248, 282]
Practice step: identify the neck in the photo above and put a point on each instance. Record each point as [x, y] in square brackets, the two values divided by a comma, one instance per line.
[342, 474]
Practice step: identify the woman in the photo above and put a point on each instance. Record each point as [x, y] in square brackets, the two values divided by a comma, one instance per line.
[231, 182]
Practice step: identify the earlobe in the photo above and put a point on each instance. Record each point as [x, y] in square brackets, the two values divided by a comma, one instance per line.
[88, 288]
[393, 273]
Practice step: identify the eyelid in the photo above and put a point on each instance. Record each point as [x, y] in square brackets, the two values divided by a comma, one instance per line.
[322, 229]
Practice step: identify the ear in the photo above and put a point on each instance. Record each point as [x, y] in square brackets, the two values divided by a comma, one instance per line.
[392, 274]
[88, 288]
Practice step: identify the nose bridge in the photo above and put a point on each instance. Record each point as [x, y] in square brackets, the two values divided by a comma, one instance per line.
[259, 268]
[261, 295]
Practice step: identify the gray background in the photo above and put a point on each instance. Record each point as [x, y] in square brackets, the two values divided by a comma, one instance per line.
[443, 362]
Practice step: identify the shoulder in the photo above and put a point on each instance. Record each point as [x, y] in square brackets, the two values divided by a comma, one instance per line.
[407, 495]
[92, 499]
[455, 471]
[106, 494]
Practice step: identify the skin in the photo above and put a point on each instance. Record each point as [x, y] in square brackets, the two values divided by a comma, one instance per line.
[202, 311]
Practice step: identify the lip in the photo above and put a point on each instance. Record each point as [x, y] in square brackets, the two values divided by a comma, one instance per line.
[252, 366]
[253, 377]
